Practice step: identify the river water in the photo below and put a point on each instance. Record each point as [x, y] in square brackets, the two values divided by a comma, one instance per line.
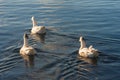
[98, 21]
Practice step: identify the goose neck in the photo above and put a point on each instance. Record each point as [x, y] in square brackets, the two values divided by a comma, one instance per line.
[34, 23]
[25, 42]
[83, 44]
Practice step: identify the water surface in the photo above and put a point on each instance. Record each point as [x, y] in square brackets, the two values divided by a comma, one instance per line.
[57, 52]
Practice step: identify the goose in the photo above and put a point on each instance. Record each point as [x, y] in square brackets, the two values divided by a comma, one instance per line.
[37, 29]
[89, 52]
[26, 49]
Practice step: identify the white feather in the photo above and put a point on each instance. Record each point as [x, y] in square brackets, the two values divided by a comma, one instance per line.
[26, 49]
[37, 29]
[87, 52]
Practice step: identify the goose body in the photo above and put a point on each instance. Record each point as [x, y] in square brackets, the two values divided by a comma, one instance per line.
[37, 29]
[26, 49]
[87, 52]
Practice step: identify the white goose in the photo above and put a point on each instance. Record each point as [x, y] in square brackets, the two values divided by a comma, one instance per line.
[87, 52]
[37, 29]
[26, 49]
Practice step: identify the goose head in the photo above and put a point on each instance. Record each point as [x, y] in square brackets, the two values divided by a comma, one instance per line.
[32, 18]
[81, 39]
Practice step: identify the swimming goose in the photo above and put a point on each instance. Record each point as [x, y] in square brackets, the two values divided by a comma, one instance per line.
[87, 52]
[37, 29]
[26, 49]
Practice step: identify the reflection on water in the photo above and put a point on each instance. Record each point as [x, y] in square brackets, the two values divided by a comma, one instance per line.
[39, 37]
[57, 57]
[92, 61]
[29, 60]
[73, 68]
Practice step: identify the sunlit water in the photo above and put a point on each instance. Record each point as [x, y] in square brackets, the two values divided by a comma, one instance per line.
[57, 52]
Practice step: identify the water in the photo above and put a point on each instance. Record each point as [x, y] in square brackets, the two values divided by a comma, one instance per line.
[57, 52]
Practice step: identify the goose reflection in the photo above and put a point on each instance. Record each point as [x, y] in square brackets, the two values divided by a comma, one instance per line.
[29, 60]
[39, 37]
[92, 61]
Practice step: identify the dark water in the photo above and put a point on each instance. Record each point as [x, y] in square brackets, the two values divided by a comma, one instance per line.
[57, 57]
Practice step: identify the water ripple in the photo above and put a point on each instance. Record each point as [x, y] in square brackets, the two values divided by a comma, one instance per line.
[57, 52]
